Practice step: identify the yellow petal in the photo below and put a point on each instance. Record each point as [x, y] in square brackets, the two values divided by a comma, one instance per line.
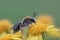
[37, 37]
[52, 31]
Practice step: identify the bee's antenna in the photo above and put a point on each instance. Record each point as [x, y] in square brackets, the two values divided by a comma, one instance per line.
[35, 14]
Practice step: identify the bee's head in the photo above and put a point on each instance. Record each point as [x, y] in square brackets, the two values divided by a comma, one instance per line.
[28, 21]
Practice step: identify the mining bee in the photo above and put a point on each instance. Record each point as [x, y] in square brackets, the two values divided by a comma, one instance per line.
[26, 21]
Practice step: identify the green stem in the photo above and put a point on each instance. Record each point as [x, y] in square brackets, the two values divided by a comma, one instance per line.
[43, 36]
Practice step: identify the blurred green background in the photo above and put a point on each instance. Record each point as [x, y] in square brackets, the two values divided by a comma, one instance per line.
[15, 10]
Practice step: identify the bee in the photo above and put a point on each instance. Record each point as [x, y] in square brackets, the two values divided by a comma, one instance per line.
[24, 23]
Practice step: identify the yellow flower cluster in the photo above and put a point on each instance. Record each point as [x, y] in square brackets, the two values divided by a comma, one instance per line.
[45, 19]
[41, 24]
[4, 25]
[44, 23]
[36, 29]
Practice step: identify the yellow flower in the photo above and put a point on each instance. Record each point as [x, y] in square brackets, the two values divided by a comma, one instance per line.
[15, 36]
[37, 29]
[52, 31]
[45, 19]
[43, 23]
[6, 37]
[4, 25]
